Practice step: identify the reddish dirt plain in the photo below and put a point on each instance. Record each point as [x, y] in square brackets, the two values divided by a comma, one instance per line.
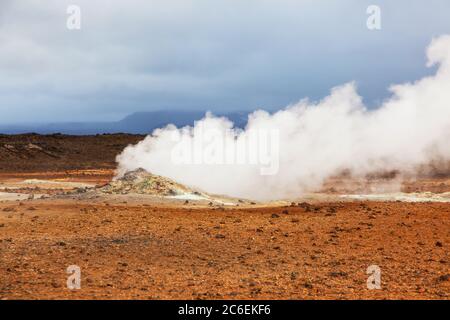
[167, 251]
[164, 252]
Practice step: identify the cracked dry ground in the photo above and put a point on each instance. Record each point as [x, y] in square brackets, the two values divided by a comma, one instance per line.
[131, 251]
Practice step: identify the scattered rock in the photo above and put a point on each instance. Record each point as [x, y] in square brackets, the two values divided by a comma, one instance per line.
[443, 278]
[305, 205]
[338, 274]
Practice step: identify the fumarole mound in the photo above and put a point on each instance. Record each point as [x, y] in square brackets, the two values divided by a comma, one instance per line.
[142, 182]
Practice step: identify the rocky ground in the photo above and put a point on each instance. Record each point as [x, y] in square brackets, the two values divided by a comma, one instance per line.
[135, 246]
[33, 153]
[317, 251]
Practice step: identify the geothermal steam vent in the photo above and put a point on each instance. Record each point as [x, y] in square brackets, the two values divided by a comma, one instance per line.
[142, 182]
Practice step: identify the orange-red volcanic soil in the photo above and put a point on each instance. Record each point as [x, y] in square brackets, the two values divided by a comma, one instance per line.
[174, 251]
[153, 252]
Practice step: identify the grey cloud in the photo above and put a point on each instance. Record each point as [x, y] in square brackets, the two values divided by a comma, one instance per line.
[142, 55]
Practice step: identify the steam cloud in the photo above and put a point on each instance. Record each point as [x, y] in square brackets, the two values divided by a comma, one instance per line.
[319, 140]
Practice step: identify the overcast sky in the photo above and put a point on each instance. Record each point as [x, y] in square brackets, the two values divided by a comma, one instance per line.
[138, 55]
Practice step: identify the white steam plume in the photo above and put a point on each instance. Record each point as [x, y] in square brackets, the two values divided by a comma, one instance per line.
[319, 140]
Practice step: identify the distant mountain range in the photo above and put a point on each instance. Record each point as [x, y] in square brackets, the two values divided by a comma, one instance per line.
[136, 123]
